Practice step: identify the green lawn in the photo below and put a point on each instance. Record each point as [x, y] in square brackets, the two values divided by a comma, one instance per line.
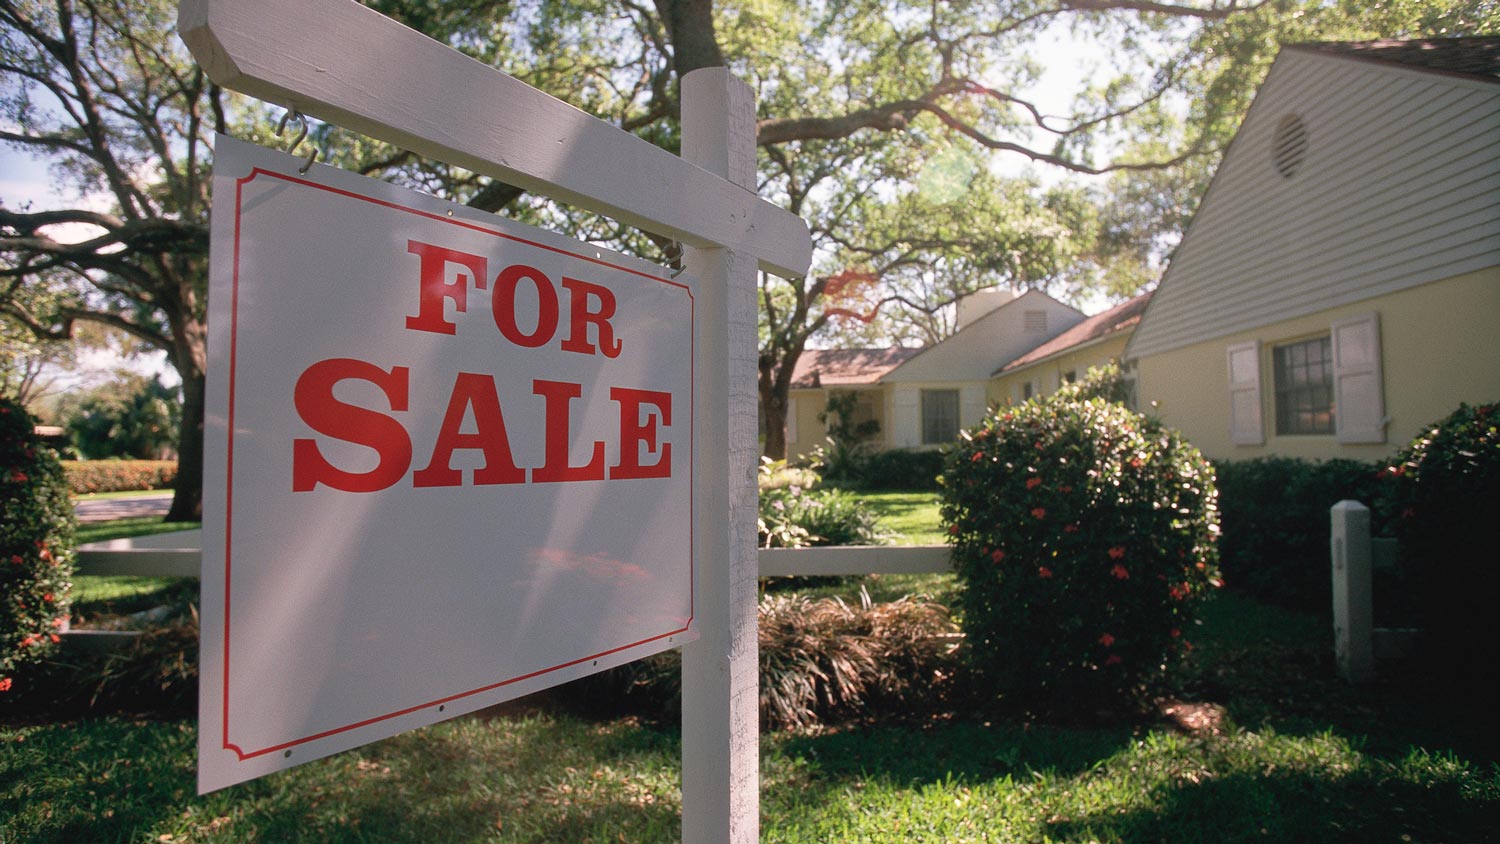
[913, 516]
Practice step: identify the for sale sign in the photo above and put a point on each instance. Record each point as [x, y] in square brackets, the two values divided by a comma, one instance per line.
[449, 462]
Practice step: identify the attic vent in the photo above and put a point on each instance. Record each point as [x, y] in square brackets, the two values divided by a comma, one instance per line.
[1289, 147]
[1035, 322]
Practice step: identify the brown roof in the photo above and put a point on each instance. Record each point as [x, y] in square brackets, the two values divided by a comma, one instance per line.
[1120, 317]
[1477, 56]
[846, 367]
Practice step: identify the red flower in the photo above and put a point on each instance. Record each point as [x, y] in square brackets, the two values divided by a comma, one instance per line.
[1033, 483]
[1044, 573]
[4, 684]
[953, 529]
[18, 476]
[16, 559]
[1066, 488]
[1178, 591]
[47, 597]
[1175, 632]
[1039, 512]
[59, 622]
[998, 555]
[1106, 640]
[978, 456]
[1119, 572]
[1135, 463]
[1117, 552]
[1070, 528]
[1114, 659]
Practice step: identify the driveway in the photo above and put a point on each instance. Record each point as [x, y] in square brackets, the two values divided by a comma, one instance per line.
[103, 509]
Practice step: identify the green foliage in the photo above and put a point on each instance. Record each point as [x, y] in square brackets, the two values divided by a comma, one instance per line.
[1084, 535]
[1100, 382]
[1444, 486]
[36, 537]
[1274, 518]
[902, 469]
[135, 417]
[793, 517]
[87, 476]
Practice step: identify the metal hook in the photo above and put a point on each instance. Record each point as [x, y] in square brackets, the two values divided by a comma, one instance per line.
[674, 258]
[293, 114]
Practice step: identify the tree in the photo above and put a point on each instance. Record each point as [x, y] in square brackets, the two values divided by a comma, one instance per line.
[104, 89]
[130, 416]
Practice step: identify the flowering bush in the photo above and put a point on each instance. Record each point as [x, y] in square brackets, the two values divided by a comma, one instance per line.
[86, 476]
[36, 538]
[1084, 536]
[1444, 486]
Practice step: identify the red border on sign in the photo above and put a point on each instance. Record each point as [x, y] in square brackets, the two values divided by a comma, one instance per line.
[229, 468]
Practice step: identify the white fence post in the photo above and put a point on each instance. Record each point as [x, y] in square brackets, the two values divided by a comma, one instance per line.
[1353, 598]
[720, 726]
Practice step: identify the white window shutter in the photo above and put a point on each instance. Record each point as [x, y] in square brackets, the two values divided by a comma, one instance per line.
[791, 421]
[1358, 394]
[972, 408]
[1245, 426]
[908, 429]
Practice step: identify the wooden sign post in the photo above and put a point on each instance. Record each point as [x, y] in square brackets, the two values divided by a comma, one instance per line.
[332, 59]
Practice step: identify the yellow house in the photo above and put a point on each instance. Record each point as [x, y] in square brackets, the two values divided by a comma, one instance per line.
[922, 398]
[1339, 285]
[1098, 340]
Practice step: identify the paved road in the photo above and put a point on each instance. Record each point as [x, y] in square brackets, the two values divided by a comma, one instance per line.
[104, 509]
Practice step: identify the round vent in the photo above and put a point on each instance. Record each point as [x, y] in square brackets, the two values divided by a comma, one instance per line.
[1289, 147]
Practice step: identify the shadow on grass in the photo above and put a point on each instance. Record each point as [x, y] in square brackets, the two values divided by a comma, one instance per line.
[1360, 808]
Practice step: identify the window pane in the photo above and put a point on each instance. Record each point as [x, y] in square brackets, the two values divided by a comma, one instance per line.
[1304, 387]
[939, 416]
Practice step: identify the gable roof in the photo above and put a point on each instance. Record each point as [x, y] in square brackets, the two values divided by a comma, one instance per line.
[1477, 56]
[1121, 317]
[967, 342]
[1396, 185]
[846, 367]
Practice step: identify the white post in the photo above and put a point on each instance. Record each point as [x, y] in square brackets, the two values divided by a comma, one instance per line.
[1353, 598]
[720, 700]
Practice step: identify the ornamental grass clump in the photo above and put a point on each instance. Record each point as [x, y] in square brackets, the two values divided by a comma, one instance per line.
[1443, 490]
[36, 539]
[1084, 536]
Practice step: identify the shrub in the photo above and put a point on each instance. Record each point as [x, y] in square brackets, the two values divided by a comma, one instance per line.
[1084, 537]
[821, 660]
[36, 539]
[902, 469]
[1275, 523]
[1444, 486]
[792, 516]
[86, 476]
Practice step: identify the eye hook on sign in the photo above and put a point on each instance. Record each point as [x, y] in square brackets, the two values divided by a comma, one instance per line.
[674, 258]
[301, 119]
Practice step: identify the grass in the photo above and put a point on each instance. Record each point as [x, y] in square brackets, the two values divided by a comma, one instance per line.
[1286, 752]
[95, 595]
[913, 516]
[124, 493]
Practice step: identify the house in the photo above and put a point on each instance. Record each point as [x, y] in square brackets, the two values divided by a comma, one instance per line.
[1096, 341]
[923, 397]
[1339, 285]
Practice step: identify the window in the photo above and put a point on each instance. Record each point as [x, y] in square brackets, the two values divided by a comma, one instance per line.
[1304, 387]
[1028, 390]
[939, 416]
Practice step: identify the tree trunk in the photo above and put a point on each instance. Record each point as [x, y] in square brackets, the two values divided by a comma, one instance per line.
[190, 356]
[187, 495]
[773, 402]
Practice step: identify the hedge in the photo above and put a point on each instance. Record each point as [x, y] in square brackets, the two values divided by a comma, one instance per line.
[86, 476]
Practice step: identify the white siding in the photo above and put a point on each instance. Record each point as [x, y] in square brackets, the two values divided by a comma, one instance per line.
[1400, 187]
[980, 348]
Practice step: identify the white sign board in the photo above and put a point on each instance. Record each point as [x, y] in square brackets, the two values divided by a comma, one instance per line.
[448, 463]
